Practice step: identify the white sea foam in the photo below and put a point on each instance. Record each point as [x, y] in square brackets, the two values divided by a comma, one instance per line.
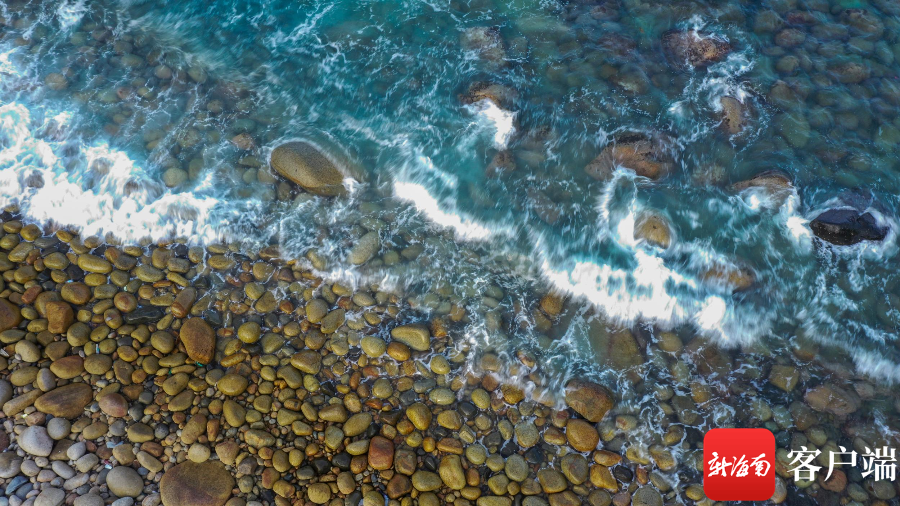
[70, 12]
[425, 203]
[501, 121]
[101, 191]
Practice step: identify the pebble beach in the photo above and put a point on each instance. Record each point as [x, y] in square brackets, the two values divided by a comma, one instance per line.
[422, 254]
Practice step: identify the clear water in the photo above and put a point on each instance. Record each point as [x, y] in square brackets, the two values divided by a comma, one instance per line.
[378, 86]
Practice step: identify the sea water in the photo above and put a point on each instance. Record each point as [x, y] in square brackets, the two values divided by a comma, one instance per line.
[117, 118]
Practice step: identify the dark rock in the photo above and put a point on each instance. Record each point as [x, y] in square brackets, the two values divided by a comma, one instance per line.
[341, 461]
[321, 466]
[623, 474]
[353, 499]
[508, 448]
[430, 463]
[535, 455]
[845, 227]
[144, 315]
[467, 409]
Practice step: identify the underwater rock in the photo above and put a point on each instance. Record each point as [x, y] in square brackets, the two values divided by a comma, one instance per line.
[772, 180]
[850, 72]
[832, 399]
[644, 155]
[632, 80]
[733, 115]
[306, 166]
[502, 164]
[364, 249]
[56, 81]
[486, 42]
[691, 49]
[790, 37]
[501, 96]
[794, 128]
[845, 227]
[731, 277]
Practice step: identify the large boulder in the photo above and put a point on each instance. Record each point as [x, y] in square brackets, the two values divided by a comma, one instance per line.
[199, 340]
[734, 115]
[196, 484]
[485, 42]
[67, 401]
[845, 227]
[645, 155]
[588, 399]
[769, 180]
[303, 164]
[502, 96]
[692, 49]
[654, 229]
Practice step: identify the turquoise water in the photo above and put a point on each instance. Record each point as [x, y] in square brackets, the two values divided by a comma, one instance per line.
[131, 137]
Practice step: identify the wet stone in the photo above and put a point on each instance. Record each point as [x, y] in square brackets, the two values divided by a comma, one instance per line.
[846, 227]
[303, 164]
[200, 484]
[417, 337]
[647, 496]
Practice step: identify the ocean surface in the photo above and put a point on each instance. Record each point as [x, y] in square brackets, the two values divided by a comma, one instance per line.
[465, 130]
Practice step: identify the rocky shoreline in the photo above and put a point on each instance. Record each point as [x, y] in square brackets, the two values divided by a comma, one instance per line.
[176, 375]
[183, 375]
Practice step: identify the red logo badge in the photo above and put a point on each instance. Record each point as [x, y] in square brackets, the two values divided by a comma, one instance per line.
[739, 464]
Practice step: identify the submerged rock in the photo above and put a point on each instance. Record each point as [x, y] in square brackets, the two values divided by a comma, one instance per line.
[56, 81]
[832, 399]
[653, 229]
[416, 336]
[364, 249]
[733, 115]
[770, 180]
[731, 277]
[486, 42]
[639, 152]
[845, 227]
[305, 165]
[850, 72]
[502, 164]
[501, 96]
[690, 48]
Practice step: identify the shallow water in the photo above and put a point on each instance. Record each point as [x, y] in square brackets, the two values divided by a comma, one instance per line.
[138, 145]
